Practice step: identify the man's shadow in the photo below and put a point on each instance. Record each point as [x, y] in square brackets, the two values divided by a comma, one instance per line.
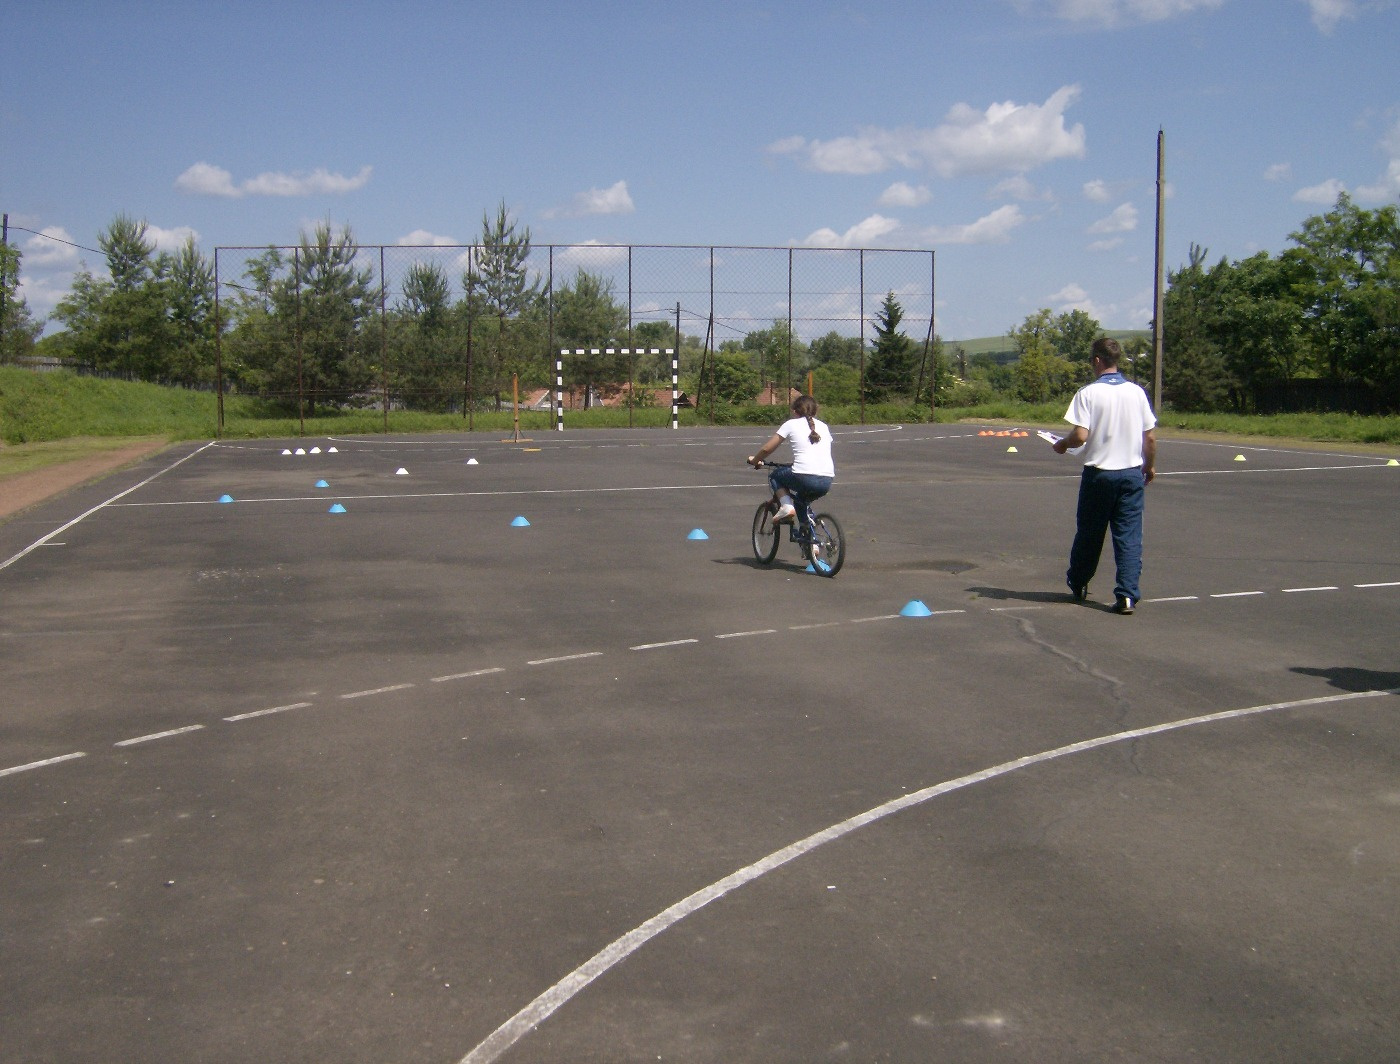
[1002, 594]
[1349, 679]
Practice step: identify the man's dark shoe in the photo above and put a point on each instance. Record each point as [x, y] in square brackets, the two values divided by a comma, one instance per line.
[1124, 605]
[1079, 594]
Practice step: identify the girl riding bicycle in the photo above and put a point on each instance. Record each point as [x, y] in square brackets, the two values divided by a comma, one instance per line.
[812, 470]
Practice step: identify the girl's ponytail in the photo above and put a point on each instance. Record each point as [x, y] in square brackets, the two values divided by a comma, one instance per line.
[806, 406]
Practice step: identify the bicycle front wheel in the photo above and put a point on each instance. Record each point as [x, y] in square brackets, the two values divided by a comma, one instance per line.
[765, 535]
[827, 551]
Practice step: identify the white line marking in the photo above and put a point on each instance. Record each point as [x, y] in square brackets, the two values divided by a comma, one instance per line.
[1388, 583]
[377, 691]
[547, 1003]
[159, 735]
[465, 675]
[81, 517]
[1178, 598]
[1237, 594]
[867, 620]
[1295, 590]
[267, 712]
[741, 635]
[668, 643]
[449, 494]
[566, 657]
[1280, 469]
[1006, 609]
[809, 627]
[41, 764]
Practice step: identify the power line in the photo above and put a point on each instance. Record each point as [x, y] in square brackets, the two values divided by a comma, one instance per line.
[57, 239]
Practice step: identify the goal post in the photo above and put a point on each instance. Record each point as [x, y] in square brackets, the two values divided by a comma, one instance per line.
[565, 352]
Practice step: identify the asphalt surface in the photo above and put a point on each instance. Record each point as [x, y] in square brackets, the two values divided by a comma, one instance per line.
[412, 782]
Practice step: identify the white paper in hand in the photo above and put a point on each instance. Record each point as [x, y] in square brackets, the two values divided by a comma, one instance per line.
[1052, 439]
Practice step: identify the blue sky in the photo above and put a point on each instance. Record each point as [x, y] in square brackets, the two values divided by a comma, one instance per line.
[1016, 137]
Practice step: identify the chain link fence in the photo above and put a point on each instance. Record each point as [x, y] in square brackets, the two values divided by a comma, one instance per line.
[327, 325]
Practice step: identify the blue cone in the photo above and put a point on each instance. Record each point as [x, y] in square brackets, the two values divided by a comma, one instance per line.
[915, 608]
[697, 533]
[336, 509]
[520, 522]
[226, 498]
[322, 484]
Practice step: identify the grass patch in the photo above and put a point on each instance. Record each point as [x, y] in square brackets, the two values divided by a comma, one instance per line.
[40, 407]
[27, 457]
[35, 407]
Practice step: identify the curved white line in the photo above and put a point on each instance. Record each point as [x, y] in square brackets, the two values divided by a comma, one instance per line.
[81, 517]
[537, 1011]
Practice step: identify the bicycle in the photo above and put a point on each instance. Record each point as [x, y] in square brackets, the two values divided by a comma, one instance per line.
[820, 538]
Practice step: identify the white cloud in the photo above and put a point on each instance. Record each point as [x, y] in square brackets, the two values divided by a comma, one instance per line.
[1327, 13]
[1005, 136]
[47, 251]
[170, 239]
[423, 238]
[994, 228]
[1124, 219]
[589, 255]
[1019, 187]
[1279, 172]
[1325, 193]
[903, 194]
[205, 179]
[1070, 297]
[1118, 12]
[43, 294]
[1387, 188]
[612, 200]
[859, 235]
[1096, 191]
[1388, 185]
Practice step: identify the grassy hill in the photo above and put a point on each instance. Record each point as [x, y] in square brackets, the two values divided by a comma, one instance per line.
[1001, 349]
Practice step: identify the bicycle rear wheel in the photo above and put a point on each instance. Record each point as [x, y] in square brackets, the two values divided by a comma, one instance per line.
[827, 551]
[765, 534]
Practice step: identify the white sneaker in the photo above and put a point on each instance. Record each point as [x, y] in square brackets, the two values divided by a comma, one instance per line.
[785, 514]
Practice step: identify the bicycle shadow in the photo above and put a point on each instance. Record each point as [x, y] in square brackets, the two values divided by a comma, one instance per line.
[753, 563]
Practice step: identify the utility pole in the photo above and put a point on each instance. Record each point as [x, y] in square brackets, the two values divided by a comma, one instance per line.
[1158, 283]
[4, 279]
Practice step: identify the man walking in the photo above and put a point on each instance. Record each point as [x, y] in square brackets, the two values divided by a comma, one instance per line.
[1113, 420]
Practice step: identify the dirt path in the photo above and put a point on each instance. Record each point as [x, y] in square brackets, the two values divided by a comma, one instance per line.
[23, 490]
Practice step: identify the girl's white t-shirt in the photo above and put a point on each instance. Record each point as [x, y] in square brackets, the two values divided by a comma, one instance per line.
[809, 457]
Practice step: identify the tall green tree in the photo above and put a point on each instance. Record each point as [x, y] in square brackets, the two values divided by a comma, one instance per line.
[308, 326]
[1041, 372]
[1351, 297]
[587, 317]
[188, 280]
[18, 329]
[1195, 376]
[730, 377]
[503, 302]
[426, 343]
[833, 348]
[121, 324]
[894, 358]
